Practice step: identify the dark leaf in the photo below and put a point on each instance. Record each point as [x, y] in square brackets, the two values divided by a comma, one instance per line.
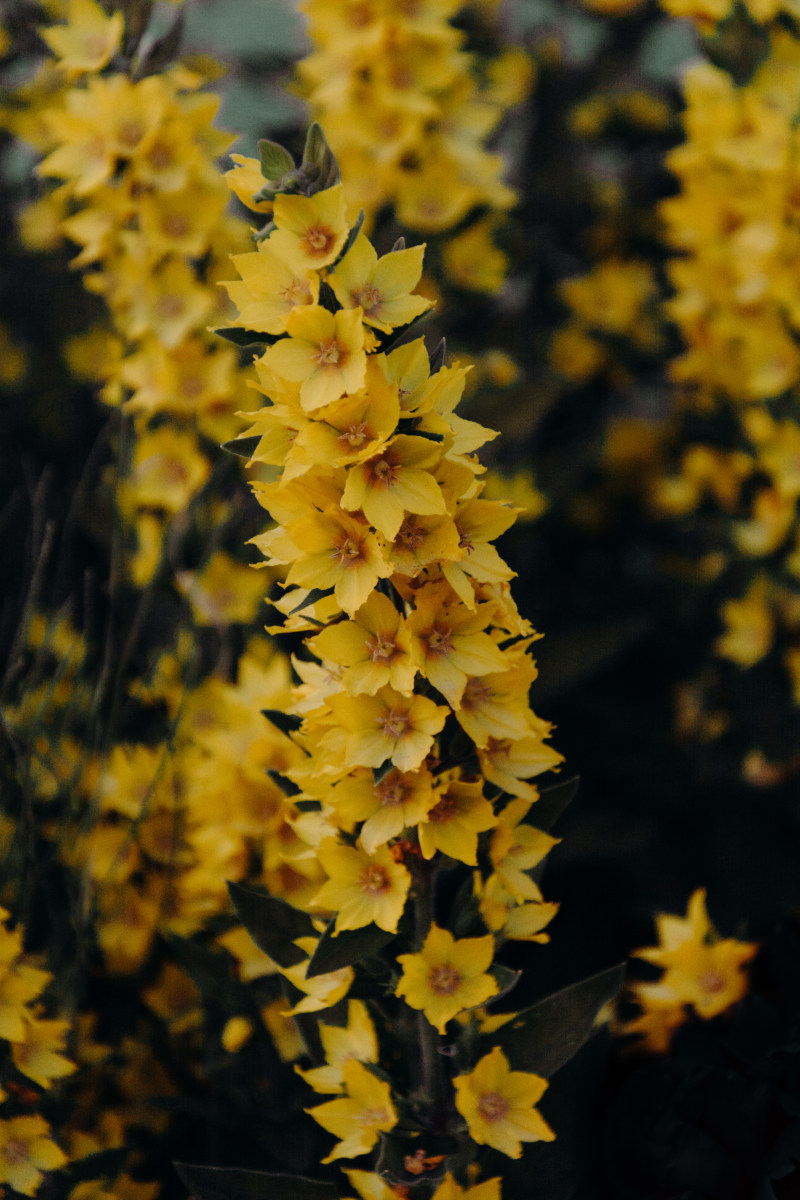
[380, 773]
[395, 337]
[318, 152]
[351, 237]
[313, 596]
[431, 437]
[209, 970]
[137, 17]
[286, 722]
[163, 50]
[505, 978]
[242, 447]
[436, 357]
[552, 803]
[230, 1183]
[272, 924]
[343, 949]
[545, 1036]
[400, 244]
[287, 787]
[327, 298]
[275, 161]
[245, 338]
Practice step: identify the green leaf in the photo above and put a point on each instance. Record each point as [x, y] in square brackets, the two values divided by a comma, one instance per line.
[327, 298]
[437, 356]
[380, 773]
[545, 1036]
[272, 924]
[242, 447]
[208, 970]
[505, 978]
[318, 152]
[275, 161]
[163, 50]
[552, 803]
[313, 596]
[335, 951]
[395, 337]
[287, 787]
[244, 338]
[231, 1183]
[426, 433]
[137, 18]
[351, 237]
[286, 722]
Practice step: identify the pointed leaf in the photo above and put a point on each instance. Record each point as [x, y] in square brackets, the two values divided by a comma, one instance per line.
[318, 152]
[400, 244]
[244, 338]
[311, 598]
[287, 787]
[275, 161]
[242, 447]
[437, 356]
[380, 773]
[231, 1183]
[163, 50]
[351, 237]
[335, 951]
[545, 1036]
[396, 336]
[552, 802]
[505, 977]
[327, 298]
[286, 722]
[272, 924]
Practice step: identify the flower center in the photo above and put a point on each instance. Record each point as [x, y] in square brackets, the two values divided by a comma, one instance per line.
[444, 810]
[444, 979]
[348, 551]
[160, 157]
[409, 534]
[167, 307]
[392, 793]
[130, 133]
[384, 472]
[374, 880]
[395, 723]
[438, 640]
[464, 540]
[15, 1151]
[354, 435]
[328, 354]
[318, 240]
[381, 649]
[295, 292]
[712, 982]
[492, 1106]
[374, 1116]
[475, 693]
[175, 225]
[369, 297]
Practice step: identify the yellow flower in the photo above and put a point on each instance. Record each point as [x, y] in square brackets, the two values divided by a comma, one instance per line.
[339, 552]
[701, 969]
[167, 471]
[26, 1151]
[355, 1040]
[453, 824]
[395, 482]
[37, 1054]
[380, 287]
[245, 179]
[498, 1105]
[448, 1189]
[750, 625]
[283, 1029]
[447, 976]
[88, 40]
[359, 1117]
[374, 648]
[397, 802]
[270, 290]
[309, 230]
[362, 888]
[321, 991]
[324, 353]
[387, 726]
[450, 640]
[473, 261]
[236, 1033]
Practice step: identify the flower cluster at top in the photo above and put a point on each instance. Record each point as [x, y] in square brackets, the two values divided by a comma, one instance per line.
[412, 735]
[736, 222]
[408, 114]
[134, 154]
[702, 972]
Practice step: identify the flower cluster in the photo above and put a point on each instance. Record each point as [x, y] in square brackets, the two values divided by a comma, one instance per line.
[35, 1043]
[409, 114]
[411, 731]
[702, 972]
[737, 305]
[140, 194]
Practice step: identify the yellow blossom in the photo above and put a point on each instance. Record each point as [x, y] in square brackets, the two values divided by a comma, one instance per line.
[387, 726]
[89, 38]
[360, 1116]
[26, 1151]
[447, 976]
[380, 287]
[362, 888]
[309, 230]
[498, 1105]
[324, 353]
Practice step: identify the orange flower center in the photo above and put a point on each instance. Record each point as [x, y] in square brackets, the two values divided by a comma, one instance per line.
[369, 297]
[354, 435]
[438, 640]
[295, 292]
[444, 979]
[383, 471]
[444, 810]
[348, 551]
[464, 540]
[318, 240]
[395, 723]
[160, 157]
[167, 307]
[95, 45]
[382, 649]
[475, 693]
[15, 1151]
[712, 982]
[374, 880]
[409, 534]
[130, 133]
[328, 354]
[175, 225]
[391, 792]
[492, 1106]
